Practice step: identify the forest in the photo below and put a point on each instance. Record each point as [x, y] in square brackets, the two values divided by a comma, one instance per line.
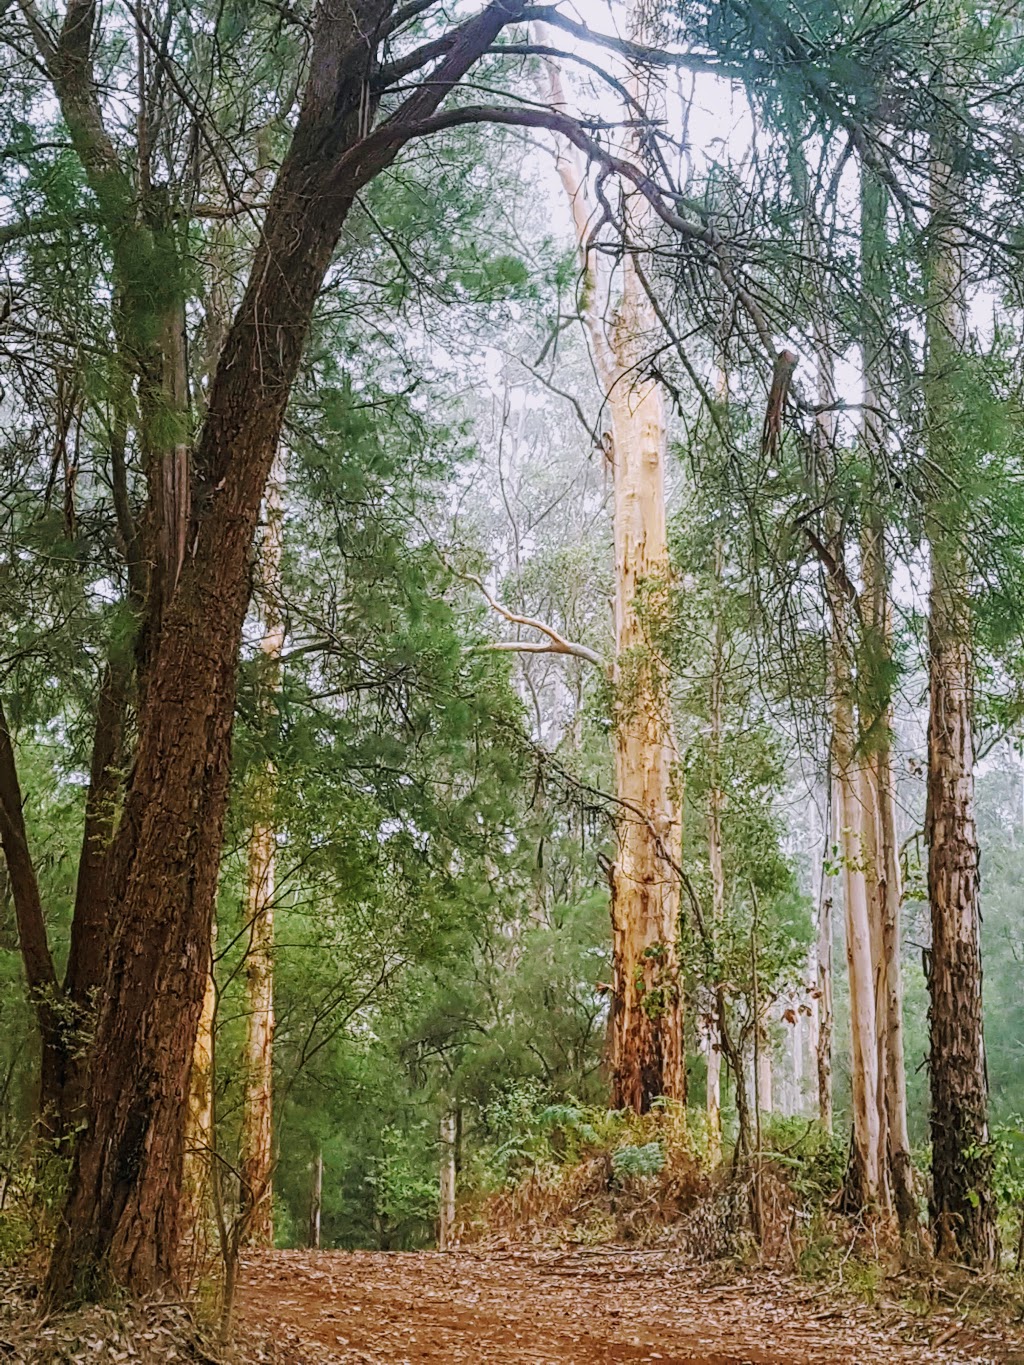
[511, 680]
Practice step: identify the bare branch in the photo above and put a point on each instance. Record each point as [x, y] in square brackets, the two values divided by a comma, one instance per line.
[556, 643]
[638, 53]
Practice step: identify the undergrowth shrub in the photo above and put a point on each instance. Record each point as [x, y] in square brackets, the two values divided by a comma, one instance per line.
[32, 1184]
[1008, 1184]
[567, 1171]
[562, 1171]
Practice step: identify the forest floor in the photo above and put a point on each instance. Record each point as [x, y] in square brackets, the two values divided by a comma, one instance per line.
[582, 1306]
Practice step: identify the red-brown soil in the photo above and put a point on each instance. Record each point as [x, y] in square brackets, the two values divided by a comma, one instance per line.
[576, 1307]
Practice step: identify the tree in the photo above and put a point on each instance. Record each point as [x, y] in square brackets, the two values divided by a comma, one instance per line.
[963, 1211]
[646, 1025]
[877, 667]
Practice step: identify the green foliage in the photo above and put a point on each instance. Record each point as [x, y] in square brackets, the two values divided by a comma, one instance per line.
[814, 1162]
[404, 1195]
[637, 1162]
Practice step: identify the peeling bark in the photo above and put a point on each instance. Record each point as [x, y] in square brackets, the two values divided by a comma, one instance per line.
[647, 1026]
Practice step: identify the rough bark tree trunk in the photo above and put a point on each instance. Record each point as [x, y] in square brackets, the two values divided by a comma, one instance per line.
[871, 852]
[90, 922]
[121, 1218]
[257, 1156]
[714, 1031]
[63, 1011]
[962, 1205]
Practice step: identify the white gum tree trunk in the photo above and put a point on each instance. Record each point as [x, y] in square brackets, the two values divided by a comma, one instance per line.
[646, 1026]
[867, 1132]
[866, 1185]
[765, 1069]
[315, 1199]
[647, 1032]
[880, 789]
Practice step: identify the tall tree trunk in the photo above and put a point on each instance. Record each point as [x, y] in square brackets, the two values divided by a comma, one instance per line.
[765, 1070]
[962, 1208]
[257, 1115]
[866, 1183]
[121, 1221]
[876, 708]
[90, 923]
[821, 973]
[798, 1044]
[823, 1010]
[866, 1177]
[882, 864]
[647, 1030]
[646, 1024]
[825, 427]
[63, 1012]
[449, 1166]
[316, 1199]
[121, 1218]
[871, 852]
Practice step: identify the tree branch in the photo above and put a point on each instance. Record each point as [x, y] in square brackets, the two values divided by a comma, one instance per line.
[638, 53]
[556, 643]
[381, 145]
[464, 47]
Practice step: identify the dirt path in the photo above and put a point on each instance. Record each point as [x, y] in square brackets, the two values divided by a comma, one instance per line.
[574, 1308]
